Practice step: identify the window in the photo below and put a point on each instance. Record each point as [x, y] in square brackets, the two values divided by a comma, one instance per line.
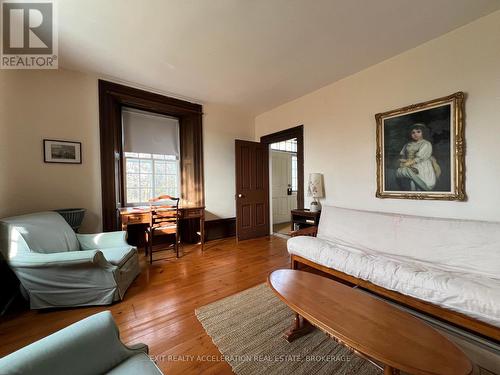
[151, 155]
[150, 175]
[289, 145]
[113, 99]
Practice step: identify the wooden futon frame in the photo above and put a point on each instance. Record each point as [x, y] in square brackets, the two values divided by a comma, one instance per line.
[457, 319]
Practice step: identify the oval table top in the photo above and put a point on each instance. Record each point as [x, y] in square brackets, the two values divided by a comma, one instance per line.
[371, 326]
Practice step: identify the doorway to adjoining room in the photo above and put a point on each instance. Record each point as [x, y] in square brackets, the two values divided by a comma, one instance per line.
[284, 184]
[286, 177]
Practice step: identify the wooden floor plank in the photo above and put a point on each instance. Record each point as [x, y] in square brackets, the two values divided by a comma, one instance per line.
[158, 308]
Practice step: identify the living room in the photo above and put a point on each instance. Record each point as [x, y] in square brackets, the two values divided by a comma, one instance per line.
[151, 128]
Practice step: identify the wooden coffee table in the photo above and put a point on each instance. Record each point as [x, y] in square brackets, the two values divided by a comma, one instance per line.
[369, 326]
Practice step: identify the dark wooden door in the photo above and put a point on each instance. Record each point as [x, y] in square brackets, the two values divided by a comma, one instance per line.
[252, 189]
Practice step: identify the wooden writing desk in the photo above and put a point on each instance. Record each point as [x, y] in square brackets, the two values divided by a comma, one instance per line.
[142, 215]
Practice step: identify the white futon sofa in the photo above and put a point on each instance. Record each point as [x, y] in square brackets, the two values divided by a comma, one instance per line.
[454, 264]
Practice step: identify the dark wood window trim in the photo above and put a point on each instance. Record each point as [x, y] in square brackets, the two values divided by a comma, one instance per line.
[295, 132]
[112, 97]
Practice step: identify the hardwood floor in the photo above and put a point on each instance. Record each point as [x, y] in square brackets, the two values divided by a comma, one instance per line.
[282, 228]
[158, 308]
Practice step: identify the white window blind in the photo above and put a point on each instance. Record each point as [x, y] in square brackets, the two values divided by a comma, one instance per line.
[151, 133]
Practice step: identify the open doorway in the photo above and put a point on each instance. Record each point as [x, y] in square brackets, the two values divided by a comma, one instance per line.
[284, 183]
[286, 177]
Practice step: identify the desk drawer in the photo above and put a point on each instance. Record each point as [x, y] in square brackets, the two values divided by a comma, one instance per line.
[135, 219]
[192, 213]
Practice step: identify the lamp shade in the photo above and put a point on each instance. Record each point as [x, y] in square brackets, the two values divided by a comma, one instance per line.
[315, 187]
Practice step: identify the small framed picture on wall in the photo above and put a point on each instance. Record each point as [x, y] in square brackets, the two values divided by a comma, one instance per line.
[56, 151]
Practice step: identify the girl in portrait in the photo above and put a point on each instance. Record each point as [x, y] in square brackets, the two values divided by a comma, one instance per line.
[418, 169]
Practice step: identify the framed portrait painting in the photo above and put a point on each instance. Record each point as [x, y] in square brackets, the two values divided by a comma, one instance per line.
[55, 151]
[420, 150]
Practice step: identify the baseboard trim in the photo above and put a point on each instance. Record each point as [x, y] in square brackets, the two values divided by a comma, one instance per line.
[220, 228]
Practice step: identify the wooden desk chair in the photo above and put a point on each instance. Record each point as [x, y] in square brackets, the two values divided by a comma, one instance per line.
[164, 219]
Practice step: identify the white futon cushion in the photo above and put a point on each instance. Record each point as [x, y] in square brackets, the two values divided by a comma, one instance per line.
[460, 290]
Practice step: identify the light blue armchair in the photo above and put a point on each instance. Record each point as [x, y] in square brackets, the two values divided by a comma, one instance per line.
[90, 346]
[58, 268]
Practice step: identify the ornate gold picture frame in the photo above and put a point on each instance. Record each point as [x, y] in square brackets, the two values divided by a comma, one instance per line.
[421, 150]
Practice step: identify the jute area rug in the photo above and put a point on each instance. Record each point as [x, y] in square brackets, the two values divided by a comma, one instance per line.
[248, 327]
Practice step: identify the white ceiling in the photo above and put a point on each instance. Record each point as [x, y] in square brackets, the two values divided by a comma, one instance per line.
[254, 54]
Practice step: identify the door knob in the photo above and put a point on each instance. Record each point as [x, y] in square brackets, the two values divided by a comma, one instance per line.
[240, 195]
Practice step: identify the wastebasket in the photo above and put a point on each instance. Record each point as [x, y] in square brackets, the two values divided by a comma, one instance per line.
[74, 216]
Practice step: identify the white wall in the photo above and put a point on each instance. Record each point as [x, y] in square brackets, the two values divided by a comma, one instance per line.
[221, 126]
[339, 124]
[48, 104]
[64, 105]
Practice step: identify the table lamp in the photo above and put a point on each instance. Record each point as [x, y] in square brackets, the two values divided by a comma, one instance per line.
[316, 190]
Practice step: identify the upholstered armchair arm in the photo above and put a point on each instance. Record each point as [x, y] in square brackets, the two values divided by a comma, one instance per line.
[309, 231]
[90, 346]
[62, 259]
[102, 240]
